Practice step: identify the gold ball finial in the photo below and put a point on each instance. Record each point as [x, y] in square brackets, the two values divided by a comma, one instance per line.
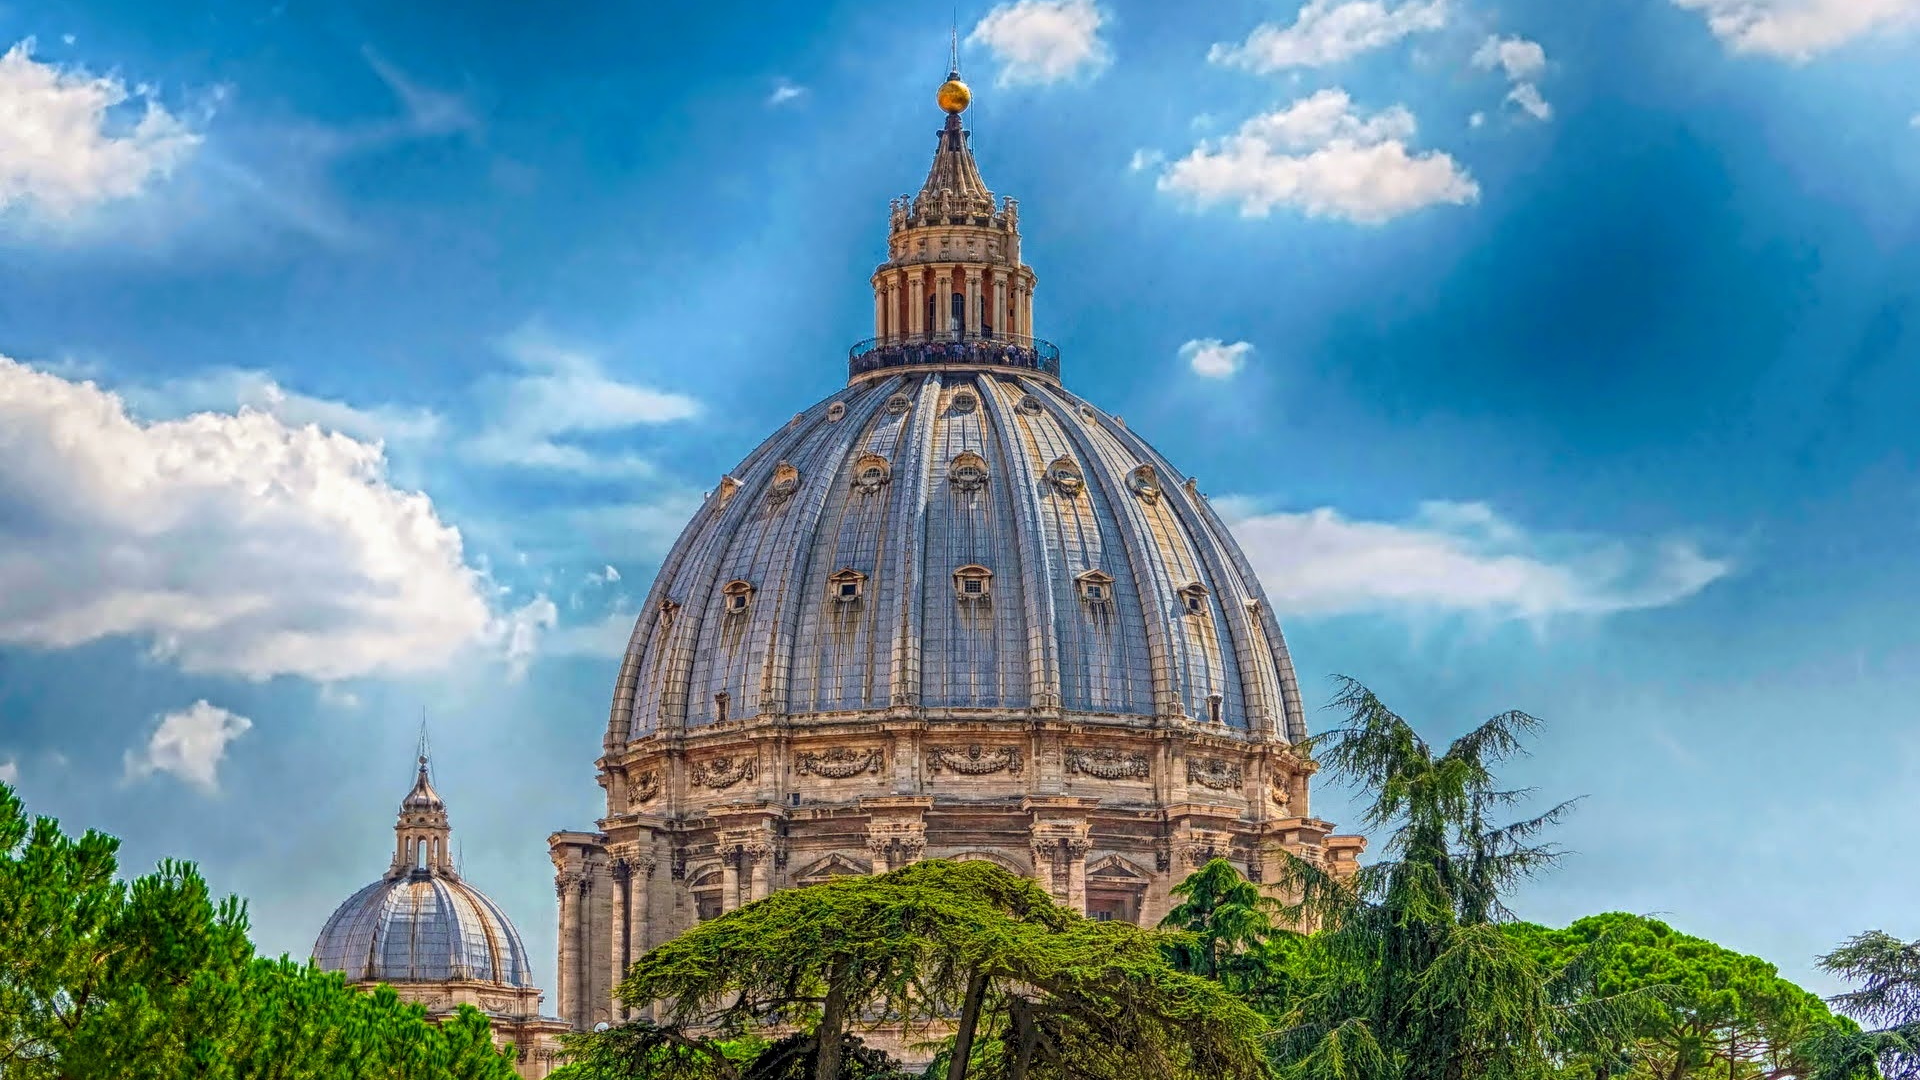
[953, 95]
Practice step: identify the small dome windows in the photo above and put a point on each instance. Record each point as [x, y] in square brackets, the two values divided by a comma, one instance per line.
[724, 493]
[736, 597]
[1193, 598]
[1144, 483]
[786, 481]
[1086, 412]
[846, 585]
[968, 472]
[1029, 405]
[899, 403]
[835, 411]
[972, 583]
[1065, 476]
[963, 402]
[1096, 587]
[871, 473]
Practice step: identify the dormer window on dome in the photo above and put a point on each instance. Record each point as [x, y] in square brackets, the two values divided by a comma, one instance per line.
[899, 403]
[1096, 587]
[1065, 476]
[1194, 598]
[736, 596]
[972, 583]
[845, 586]
[963, 402]
[724, 493]
[835, 411]
[871, 473]
[968, 472]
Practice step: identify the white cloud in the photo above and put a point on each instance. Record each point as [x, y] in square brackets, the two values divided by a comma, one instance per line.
[429, 112]
[9, 771]
[603, 577]
[1044, 41]
[784, 92]
[1798, 30]
[233, 543]
[190, 744]
[1322, 157]
[229, 388]
[1523, 62]
[1329, 31]
[521, 631]
[68, 144]
[1214, 359]
[562, 393]
[1458, 558]
[1146, 159]
[1478, 119]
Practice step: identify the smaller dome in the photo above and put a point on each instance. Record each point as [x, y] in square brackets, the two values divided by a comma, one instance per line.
[422, 928]
[954, 96]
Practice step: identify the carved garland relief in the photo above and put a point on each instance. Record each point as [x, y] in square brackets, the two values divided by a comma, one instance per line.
[841, 762]
[974, 760]
[721, 773]
[1213, 773]
[1104, 763]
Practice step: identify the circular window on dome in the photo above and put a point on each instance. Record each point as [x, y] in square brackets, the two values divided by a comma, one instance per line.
[871, 473]
[1066, 478]
[835, 411]
[968, 472]
[1029, 405]
[899, 403]
[963, 402]
[1145, 483]
[786, 481]
[1086, 412]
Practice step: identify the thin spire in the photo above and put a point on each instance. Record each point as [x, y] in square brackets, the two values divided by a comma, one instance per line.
[953, 44]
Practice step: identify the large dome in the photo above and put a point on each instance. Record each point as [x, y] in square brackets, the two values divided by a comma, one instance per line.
[956, 540]
[951, 611]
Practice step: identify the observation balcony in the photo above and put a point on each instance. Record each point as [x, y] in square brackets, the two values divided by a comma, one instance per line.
[954, 348]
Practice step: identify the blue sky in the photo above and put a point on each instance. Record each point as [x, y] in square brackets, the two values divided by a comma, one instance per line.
[361, 360]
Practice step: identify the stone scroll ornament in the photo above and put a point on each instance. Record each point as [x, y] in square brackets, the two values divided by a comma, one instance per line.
[723, 772]
[841, 762]
[1105, 763]
[975, 760]
[1213, 773]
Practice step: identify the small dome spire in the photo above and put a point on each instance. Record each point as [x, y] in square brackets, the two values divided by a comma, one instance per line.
[422, 797]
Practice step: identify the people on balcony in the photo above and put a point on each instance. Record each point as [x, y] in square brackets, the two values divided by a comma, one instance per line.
[907, 352]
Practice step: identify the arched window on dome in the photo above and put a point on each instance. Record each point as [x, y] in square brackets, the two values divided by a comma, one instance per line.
[871, 473]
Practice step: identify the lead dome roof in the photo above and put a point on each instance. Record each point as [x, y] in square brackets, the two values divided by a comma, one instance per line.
[1183, 620]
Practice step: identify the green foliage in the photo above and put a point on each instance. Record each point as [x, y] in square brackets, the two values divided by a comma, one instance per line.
[1686, 1006]
[1410, 976]
[1887, 973]
[153, 979]
[1226, 918]
[1039, 992]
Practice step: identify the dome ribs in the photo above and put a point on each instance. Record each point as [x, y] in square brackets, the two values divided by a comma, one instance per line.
[1198, 666]
[1019, 475]
[1110, 505]
[910, 512]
